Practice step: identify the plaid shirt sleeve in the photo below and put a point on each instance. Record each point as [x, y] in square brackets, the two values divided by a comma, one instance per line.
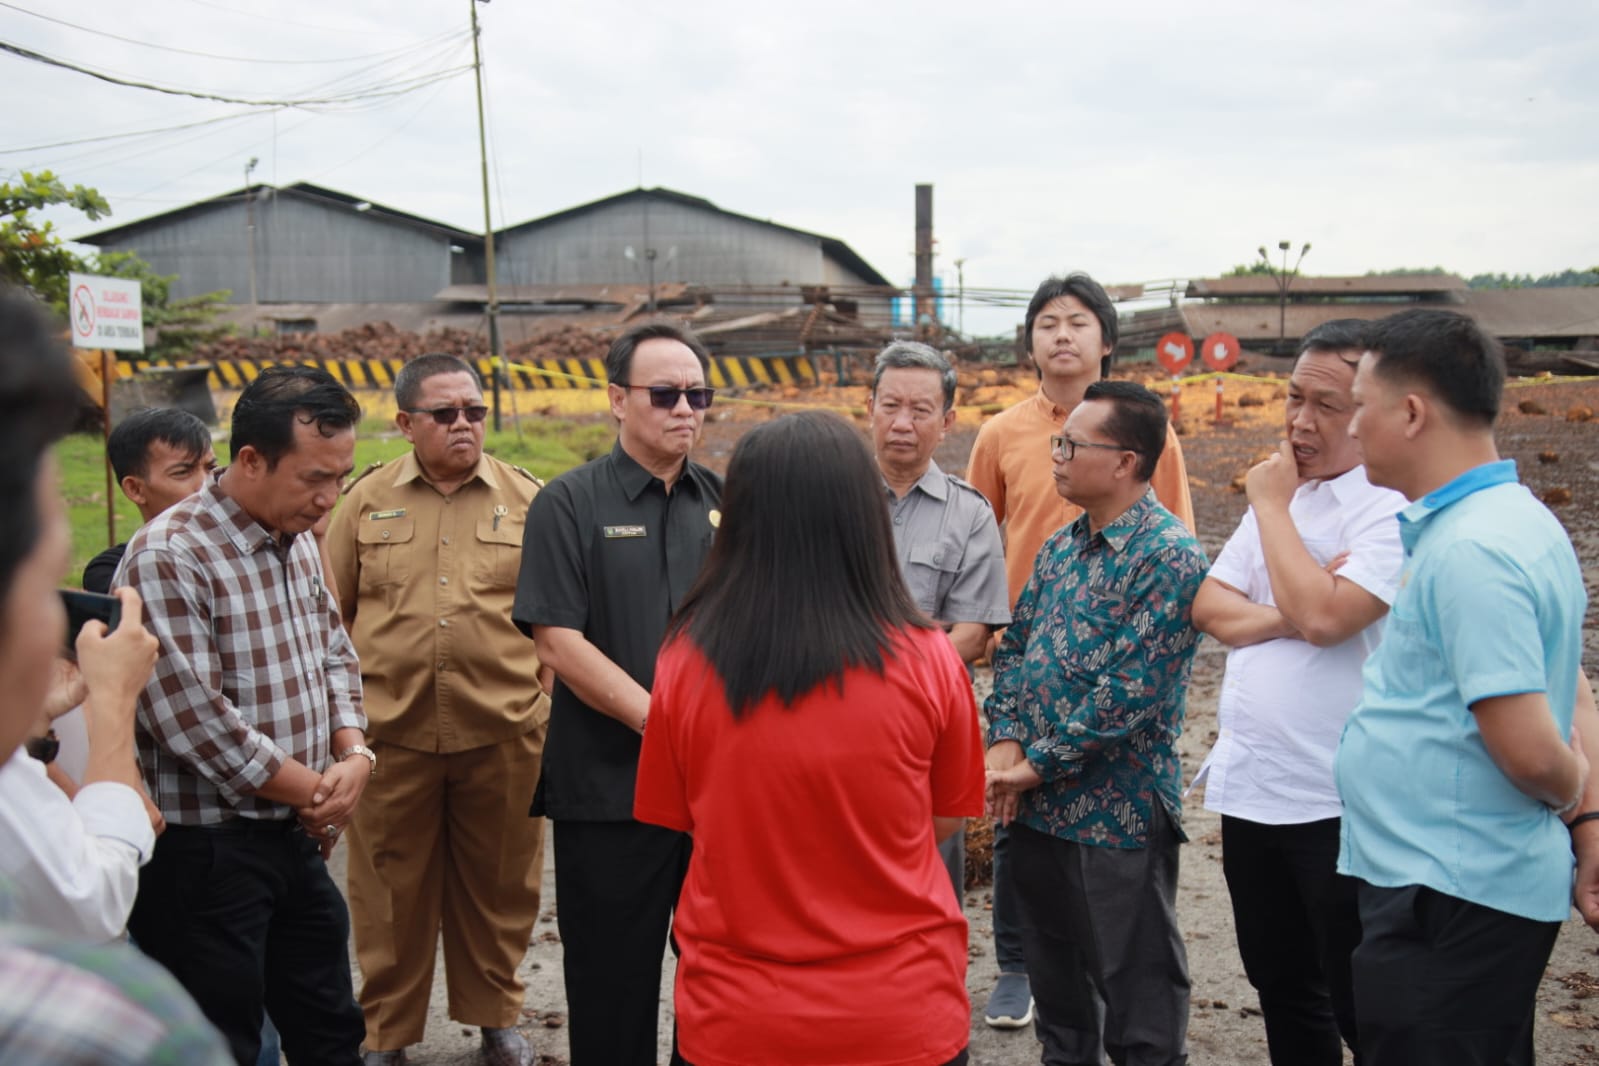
[184, 707]
[340, 665]
[67, 1002]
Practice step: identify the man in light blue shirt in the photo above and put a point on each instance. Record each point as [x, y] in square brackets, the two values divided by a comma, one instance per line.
[1455, 770]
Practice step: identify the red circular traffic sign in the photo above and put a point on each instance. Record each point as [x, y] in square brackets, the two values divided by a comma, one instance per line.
[1174, 351]
[1220, 351]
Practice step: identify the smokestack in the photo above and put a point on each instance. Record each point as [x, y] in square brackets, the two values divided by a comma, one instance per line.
[926, 323]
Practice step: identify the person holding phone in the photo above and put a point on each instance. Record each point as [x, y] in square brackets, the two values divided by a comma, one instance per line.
[62, 999]
[75, 862]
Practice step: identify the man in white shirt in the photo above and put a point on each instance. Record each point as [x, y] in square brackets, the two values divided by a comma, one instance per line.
[1299, 594]
[73, 864]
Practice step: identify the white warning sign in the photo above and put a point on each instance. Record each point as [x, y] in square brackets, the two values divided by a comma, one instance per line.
[106, 313]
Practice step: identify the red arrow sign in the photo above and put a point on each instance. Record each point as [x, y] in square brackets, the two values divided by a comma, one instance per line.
[1220, 351]
[1174, 351]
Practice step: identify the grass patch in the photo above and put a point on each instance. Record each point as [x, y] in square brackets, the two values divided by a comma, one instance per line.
[546, 446]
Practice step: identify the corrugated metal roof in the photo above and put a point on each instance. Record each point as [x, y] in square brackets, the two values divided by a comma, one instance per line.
[304, 190]
[1308, 285]
[591, 295]
[1519, 313]
[831, 246]
[1510, 314]
[1258, 323]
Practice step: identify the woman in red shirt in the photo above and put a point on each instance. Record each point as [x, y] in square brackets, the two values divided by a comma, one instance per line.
[815, 733]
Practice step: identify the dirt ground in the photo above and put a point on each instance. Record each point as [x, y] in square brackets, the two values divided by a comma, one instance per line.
[1558, 458]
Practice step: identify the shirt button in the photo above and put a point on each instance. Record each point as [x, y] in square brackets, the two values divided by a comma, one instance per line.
[385, 534]
[898, 521]
[444, 581]
[444, 540]
[444, 623]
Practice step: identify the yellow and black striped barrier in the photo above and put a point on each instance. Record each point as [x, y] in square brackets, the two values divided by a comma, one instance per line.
[726, 371]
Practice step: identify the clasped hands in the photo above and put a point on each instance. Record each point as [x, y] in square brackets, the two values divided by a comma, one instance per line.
[1007, 776]
[334, 801]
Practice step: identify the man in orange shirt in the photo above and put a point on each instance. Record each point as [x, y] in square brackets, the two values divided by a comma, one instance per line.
[1071, 330]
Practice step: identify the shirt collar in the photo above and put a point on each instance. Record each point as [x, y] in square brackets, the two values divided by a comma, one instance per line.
[1123, 526]
[407, 469]
[934, 482]
[247, 534]
[635, 479]
[1048, 408]
[1486, 476]
[1343, 487]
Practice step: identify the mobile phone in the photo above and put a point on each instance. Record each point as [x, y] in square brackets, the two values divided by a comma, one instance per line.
[82, 606]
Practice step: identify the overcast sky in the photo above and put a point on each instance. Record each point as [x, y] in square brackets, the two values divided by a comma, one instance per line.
[1136, 141]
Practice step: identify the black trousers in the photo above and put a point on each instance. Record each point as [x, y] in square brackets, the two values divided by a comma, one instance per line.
[1297, 924]
[1104, 955]
[1439, 980]
[247, 919]
[616, 884]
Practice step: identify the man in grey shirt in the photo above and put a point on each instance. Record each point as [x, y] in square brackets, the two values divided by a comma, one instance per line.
[944, 530]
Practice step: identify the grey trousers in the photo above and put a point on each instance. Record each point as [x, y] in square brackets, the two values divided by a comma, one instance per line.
[1104, 954]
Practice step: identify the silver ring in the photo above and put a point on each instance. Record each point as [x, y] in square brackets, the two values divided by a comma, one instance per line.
[331, 831]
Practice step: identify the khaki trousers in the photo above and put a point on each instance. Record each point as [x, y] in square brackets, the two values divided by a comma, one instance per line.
[443, 842]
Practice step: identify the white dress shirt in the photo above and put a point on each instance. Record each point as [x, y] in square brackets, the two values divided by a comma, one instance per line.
[72, 864]
[1283, 702]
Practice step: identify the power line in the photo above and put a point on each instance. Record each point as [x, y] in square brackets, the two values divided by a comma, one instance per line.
[276, 20]
[415, 83]
[132, 133]
[202, 55]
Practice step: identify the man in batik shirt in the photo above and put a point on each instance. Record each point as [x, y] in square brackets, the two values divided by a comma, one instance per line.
[1083, 725]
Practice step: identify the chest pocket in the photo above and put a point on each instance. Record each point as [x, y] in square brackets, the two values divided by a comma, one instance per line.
[498, 554]
[930, 572]
[386, 549]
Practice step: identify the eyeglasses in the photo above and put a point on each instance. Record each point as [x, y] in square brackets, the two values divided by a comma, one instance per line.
[1068, 447]
[445, 416]
[666, 396]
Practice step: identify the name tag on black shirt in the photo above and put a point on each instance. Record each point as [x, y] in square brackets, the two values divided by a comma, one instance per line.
[612, 532]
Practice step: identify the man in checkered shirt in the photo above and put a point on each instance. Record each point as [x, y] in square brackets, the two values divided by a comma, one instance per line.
[251, 734]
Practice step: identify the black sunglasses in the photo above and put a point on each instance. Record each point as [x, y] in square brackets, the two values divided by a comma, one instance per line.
[445, 416]
[665, 396]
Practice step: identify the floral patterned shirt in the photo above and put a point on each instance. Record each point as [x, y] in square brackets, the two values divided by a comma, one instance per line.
[1091, 676]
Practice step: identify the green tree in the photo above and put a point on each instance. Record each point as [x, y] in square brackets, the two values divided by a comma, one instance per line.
[31, 254]
[180, 324]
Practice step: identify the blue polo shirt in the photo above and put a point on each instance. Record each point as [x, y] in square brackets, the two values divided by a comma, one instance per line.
[1490, 603]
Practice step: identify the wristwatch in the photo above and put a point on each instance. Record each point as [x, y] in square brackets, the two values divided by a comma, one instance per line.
[362, 750]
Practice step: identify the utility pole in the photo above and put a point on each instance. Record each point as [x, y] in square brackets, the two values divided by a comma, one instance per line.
[960, 296]
[249, 225]
[649, 252]
[1284, 280]
[488, 225]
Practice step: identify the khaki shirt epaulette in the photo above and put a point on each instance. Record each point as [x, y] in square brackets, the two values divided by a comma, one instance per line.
[528, 474]
[357, 478]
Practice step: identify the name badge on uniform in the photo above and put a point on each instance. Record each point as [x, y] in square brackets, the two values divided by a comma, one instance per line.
[378, 516]
[613, 532]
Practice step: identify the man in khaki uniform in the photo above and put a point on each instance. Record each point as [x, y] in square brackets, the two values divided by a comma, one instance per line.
[425, 552]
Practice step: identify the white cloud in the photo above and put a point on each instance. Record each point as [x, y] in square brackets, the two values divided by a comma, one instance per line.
[1136, 142]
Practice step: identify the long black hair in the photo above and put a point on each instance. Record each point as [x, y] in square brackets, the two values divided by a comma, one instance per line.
[802, 582]
[38, 401]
